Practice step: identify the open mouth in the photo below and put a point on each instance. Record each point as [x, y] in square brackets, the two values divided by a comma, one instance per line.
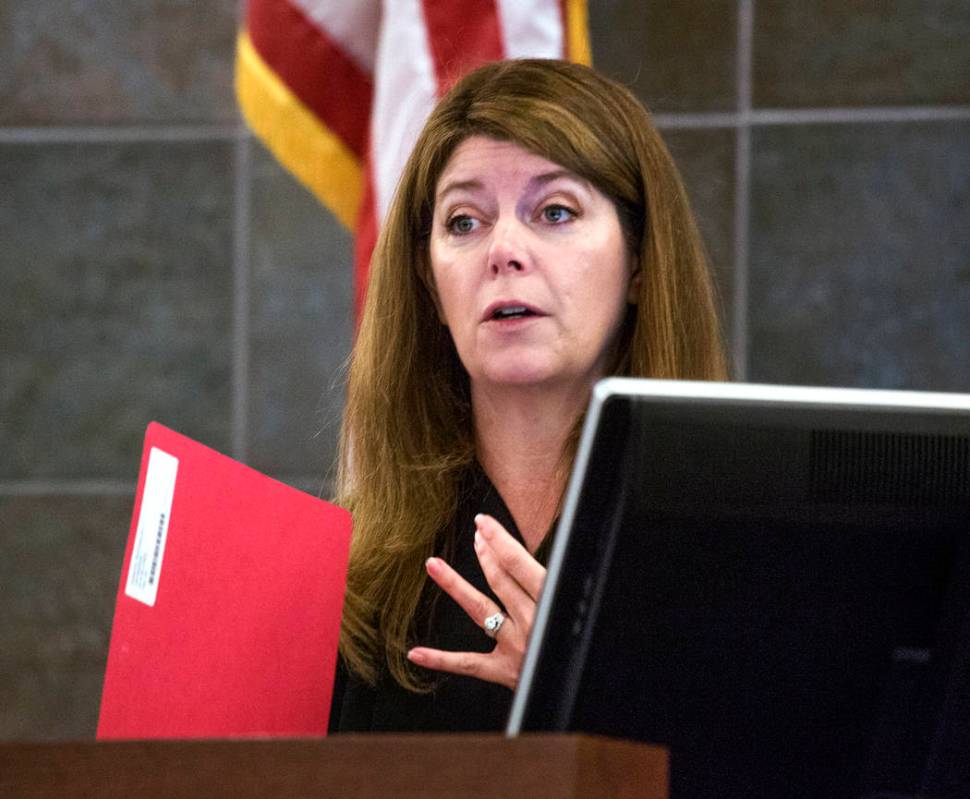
[512, 312]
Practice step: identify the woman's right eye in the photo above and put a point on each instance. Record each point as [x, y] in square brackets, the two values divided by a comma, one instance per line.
[460, 224]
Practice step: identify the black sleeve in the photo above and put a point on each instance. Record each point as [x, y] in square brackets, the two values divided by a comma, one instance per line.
[337, 702]
[352, 709]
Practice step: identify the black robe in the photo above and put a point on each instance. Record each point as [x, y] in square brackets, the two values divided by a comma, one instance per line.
[455, 703]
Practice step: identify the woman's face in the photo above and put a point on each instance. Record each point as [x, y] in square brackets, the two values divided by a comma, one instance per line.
[531, 268]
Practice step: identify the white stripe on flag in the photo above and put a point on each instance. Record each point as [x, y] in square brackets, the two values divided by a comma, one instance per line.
[352, 24]
[404, 94]
[531, 29]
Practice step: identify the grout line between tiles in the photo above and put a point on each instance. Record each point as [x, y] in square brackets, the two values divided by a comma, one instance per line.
[742, 191]
[809, 116]
[240, 294]
[118, 135]
[66, 487]
[705, 119]
[317, 485]
[700, 121]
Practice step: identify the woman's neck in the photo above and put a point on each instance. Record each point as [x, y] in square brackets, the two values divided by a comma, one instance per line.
[521, 439]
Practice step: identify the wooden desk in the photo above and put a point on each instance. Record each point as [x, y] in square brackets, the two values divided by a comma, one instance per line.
[427, 766]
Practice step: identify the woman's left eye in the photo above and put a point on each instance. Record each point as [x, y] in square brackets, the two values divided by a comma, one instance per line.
[557, 214]
[461, 224]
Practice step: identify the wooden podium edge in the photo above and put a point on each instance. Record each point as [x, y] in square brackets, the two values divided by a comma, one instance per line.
[427, 766]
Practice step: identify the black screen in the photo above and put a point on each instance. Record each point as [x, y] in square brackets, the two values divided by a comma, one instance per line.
[779, 597]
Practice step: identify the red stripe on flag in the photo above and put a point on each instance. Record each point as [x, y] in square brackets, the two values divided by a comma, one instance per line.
[315, 69]
[461, 36]
[564, 23]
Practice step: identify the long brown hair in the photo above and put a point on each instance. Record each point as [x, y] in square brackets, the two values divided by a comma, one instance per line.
[407, 435]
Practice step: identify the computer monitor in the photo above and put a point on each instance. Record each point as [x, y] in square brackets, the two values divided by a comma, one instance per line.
[773, 582]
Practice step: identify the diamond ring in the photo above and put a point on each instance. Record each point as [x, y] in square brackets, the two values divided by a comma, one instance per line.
[493, 624]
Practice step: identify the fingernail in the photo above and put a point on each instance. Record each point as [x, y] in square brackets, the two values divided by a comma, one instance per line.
[483, 528]
[416, 656]
[478, 540]
[432, 565]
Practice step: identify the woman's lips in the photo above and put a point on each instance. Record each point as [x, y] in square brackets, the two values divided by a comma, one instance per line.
[504, 311]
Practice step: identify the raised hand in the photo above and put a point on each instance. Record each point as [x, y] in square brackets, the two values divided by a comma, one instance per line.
[516, 578]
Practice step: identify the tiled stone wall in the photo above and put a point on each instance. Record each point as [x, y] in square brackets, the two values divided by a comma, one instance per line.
[155, 263]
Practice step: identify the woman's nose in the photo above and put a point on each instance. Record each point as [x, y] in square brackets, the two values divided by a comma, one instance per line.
[508, 251]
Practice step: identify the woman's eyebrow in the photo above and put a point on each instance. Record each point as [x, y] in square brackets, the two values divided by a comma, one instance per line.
[458, 185]
[535, 182]
[549, 177]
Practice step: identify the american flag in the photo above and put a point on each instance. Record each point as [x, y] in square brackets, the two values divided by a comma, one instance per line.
[339, 89]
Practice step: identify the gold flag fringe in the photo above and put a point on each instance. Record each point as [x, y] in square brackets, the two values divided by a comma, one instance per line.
[299, 140]
[577, 32]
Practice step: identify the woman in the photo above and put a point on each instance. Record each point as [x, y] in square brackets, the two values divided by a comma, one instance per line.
[540, 239]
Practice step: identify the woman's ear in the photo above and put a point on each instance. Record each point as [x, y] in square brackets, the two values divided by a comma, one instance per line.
[633, 287]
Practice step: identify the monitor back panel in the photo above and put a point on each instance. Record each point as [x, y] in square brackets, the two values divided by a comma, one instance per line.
[774, 595]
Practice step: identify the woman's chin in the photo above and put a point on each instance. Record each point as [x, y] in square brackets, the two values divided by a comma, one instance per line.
[523, 376]
[518, 376]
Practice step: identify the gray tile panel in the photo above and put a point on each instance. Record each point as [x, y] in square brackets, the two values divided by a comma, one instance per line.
[301, 325]
[860, 258]
[706, 162]
[60, 570]
[116, 62]
[116, 304]
[814, 53]
[677, 56]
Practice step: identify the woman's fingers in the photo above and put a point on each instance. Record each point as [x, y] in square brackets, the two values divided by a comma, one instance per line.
[516, 578]
[478, 606]
[493, 667]
[512, 557]
[513, 596]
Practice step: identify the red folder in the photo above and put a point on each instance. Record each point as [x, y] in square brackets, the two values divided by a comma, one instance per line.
[228, 611]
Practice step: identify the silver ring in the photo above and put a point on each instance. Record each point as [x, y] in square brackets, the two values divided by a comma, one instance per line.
[493, 624]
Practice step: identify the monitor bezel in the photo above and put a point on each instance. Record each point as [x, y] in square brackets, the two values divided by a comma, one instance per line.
[696, 393]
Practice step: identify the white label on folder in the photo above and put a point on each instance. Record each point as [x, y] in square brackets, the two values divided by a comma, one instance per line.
[156, 508]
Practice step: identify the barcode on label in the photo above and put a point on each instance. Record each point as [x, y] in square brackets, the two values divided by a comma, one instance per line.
[145, 567]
